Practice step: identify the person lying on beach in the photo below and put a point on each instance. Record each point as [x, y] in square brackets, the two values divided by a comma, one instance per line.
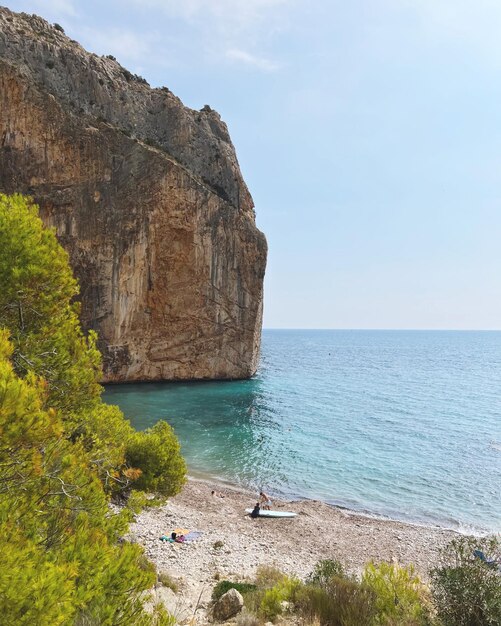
[216, 493]
[265, 500]
[255, 510]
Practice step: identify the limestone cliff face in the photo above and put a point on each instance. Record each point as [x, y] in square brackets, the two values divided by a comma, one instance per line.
[147, 197]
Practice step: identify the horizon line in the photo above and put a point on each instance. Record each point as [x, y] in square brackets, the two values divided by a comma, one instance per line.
[426, 330]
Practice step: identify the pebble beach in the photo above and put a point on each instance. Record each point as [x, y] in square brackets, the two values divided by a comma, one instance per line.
[233, 545]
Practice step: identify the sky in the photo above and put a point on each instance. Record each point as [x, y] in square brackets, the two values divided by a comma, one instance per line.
[368, 132]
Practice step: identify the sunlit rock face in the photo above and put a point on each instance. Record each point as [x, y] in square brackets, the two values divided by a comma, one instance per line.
[147, 197]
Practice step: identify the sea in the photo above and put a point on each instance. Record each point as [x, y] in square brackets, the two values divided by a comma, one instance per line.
[400, 424]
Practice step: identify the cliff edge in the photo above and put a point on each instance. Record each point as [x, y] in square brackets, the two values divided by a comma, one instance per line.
[147, 197]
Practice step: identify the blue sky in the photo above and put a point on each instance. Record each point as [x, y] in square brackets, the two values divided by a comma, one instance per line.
[368, 131]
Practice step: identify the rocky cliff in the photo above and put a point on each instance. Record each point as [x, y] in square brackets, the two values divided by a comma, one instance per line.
[147, 197]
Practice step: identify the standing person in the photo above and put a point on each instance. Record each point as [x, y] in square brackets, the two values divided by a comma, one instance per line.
[265, 500]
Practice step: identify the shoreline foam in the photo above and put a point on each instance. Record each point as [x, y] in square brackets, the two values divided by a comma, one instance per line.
[454, 526]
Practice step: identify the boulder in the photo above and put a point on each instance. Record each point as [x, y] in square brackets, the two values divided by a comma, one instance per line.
[227, 606]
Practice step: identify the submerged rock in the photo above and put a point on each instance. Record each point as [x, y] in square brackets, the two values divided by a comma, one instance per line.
[147, 197]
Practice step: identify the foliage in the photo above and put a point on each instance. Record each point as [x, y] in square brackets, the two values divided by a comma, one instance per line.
[400, 595]
[270, 606]
[37, 307]
[286, 591]
[270, 579]
[167, 581]
[225, 585]
[156, 452]
[324, 570]
[466, 591]
[62, 450]
[268, 576]
[61, 559]
[341, 602]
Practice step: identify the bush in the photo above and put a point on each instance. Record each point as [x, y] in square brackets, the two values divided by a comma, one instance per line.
[324, 571]
[400, 595]
[167, 581]
[342, 602]
[268, 576]
[270, 607]
[466, 591]
[225, 585]
[156, 452]
[285, 591]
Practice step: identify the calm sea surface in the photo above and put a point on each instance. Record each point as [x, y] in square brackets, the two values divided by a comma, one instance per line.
[405, 424]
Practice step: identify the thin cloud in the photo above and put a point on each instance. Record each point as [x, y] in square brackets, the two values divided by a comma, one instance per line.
[58, 7]
[221, 31]
[229, 10]
[124, 44]
[251, 60]
[226, 18]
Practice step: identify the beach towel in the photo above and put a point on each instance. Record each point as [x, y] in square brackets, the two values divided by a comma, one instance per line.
[191, 536]
[178, 531]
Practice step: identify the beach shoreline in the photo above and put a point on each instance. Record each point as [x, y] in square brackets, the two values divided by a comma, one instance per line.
[224, 483]
[233, 545]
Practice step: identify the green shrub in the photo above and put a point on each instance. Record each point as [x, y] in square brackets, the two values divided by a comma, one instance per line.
[225, 585]
[466, 591]
[267, 603]
[156, 452]
[342, 602]
[400, 595]
[253, 599]
[271, 607]
[324, 571]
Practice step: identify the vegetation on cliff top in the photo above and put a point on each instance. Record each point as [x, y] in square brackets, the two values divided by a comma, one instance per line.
[63, 452]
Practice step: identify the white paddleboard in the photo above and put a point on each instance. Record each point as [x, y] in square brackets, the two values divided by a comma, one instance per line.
[265, 513]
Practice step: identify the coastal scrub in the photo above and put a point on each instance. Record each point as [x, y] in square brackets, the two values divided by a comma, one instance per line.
[63, 451]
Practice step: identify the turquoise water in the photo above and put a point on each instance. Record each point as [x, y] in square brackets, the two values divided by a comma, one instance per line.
[405, 424]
